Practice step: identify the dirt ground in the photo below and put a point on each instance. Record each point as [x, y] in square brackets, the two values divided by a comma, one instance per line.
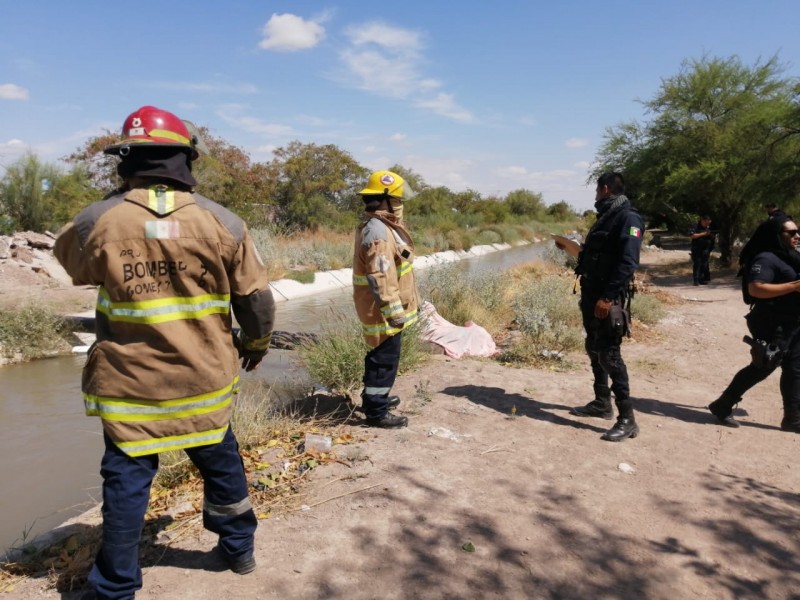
[493, 461]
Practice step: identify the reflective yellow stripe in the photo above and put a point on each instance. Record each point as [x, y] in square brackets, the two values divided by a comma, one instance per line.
[133, 410]
[161, 199]
[405, 268]
[174, 442]
[390, 310]
[381, 328]
[256, 344]
[163, 310]
[170, 135]
[360, 280]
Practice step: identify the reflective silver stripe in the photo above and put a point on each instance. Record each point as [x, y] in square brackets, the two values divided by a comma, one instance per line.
[395, 308]
[129, 409]
[179, 308]
[360, 280]
[175, 442]
[405, 268]
[379, 328]
[376, 391]
[227, 510]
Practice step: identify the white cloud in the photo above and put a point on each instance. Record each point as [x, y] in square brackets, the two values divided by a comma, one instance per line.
[232, 116]
[582, 164]
[288, 33]
[576, 143]
[399, 40]
[444, 104]
[11, 91]
[12, 147]
[386, 61]
[398, 137]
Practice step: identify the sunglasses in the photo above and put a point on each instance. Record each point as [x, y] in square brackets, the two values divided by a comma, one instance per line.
[791, 232]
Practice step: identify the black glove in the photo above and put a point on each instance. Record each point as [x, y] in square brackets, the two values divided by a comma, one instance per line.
[252, 352]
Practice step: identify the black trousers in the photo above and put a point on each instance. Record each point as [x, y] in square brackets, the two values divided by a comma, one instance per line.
[603, 347]
[749, 376]
[700, 269]
[380, 371]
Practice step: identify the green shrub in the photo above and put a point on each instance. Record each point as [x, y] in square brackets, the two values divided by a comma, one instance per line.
[647, 308]
[32, 332]
[547, 314]
[460, 296]
[336, 360]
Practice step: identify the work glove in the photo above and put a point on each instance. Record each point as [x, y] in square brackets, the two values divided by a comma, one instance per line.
[252, 352]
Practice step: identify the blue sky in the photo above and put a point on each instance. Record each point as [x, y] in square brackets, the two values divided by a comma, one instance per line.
[490, 96]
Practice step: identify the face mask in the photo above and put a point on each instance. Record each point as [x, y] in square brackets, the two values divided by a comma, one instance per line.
[397, 207]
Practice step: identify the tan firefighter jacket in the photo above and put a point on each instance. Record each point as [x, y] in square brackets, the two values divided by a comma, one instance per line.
[169, 266]
[384, 289]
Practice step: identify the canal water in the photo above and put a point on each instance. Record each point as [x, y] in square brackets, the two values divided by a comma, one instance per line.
[49, 471]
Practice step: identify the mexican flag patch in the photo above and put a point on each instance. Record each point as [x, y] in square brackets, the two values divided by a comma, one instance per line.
[635, 232]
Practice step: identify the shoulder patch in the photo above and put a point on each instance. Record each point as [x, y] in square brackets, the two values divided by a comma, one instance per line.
[375, 230]
[635, 232]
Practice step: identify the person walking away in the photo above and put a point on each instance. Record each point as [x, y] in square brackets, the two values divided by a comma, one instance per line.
[702, 246]
[772, 287]
[170, 265]
[384, 292]
[606, 265]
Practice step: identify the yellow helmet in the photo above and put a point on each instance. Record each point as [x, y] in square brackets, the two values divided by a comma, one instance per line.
[384, 182]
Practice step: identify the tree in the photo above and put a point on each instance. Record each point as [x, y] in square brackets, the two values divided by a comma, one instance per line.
[525, 203]
[317, 185]
[722, 139]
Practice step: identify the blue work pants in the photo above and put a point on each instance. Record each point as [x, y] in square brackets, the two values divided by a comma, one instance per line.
[380, 371]
[126, 491]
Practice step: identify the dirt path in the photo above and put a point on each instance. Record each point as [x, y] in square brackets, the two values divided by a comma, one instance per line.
[708, 512]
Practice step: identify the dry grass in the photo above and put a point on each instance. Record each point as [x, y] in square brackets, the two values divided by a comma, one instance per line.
[270, 424]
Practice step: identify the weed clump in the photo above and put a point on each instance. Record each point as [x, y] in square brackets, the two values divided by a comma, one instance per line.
[35, 331]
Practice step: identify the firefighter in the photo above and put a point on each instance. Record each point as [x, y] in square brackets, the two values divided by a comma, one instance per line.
[170, 266]
[384, 292]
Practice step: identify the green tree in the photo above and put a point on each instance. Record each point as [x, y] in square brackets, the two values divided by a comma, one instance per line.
[24, 191]
[525, 203]
[722, 139]
[317, 185]
[561, 211]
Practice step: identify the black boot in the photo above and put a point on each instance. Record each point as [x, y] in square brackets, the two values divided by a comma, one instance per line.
[624, 428]
[599, 407]
[392, 402]
[723, 410]
[388, 421]
[791, 419]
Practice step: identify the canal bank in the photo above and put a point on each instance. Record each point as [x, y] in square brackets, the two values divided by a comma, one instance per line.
[56, 448]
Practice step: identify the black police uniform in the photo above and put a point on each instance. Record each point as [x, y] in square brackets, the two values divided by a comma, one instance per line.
[701, 253]
[775, 321]
[606, 266]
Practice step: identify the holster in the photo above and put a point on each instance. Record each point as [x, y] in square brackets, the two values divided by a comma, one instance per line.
[619, 319]
[764, 355]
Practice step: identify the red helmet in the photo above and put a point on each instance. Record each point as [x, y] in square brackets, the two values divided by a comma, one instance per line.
[154, 127]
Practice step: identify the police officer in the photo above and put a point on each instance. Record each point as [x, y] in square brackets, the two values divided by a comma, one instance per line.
[772, 286]
[384, 292]
[606, 264]
[170, 265]
[702, 245]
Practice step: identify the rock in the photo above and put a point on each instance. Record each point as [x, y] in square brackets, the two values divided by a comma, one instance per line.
[626, 468]
[22, 254]
[5, 248]
[37, 240]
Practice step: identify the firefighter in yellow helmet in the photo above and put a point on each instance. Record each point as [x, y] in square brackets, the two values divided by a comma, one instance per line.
[384, 292]
[172, 267]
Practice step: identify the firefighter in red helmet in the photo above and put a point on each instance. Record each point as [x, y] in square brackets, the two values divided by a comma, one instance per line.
[171, 267]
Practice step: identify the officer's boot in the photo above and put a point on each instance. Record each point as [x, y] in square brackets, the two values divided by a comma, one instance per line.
[722, 408]
[599, 407]
[624, 428]
[791, 419]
